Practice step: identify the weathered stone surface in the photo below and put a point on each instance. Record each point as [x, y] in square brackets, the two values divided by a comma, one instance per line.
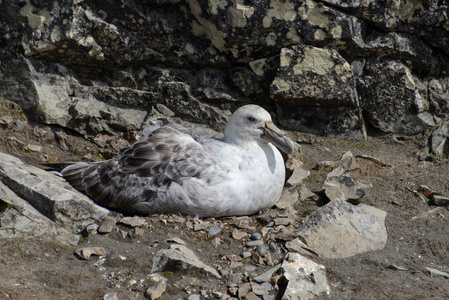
[405, 47]
[288, 198]
[440, 200]
[340, 229]
[296, 245]
[266, 276]
[310, 76]
[439, 140]
[393, 99]
[325, 25]
[20, 219]
[439, 96]
[49, 194]
[306, 195]
[409, 16]
[179, 257]
[305, 278]
[93, 116]
[81, 59]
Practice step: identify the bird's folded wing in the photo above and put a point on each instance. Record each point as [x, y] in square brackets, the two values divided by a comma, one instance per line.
[167, 154]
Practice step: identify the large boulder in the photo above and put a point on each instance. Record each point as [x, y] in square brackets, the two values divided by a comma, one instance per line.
[310, 77]
[340, 229]
[48, 193]
[393, 99]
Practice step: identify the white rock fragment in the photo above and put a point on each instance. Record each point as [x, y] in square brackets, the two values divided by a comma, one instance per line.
[434, 273]
[306, 279]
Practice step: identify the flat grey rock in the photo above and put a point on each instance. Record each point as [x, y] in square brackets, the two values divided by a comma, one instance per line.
[21, 219]
[340, 229]
[434, 273]
[299, 174]
[51, 195]
[182, 258]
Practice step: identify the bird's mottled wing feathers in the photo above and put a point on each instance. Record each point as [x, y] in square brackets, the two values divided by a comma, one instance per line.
[169, 154]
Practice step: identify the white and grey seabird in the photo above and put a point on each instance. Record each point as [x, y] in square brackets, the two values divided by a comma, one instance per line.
[178, 170]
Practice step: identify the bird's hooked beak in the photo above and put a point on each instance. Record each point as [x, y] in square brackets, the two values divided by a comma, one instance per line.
[277, 137]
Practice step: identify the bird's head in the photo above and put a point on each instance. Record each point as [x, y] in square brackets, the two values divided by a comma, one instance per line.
[252, 122]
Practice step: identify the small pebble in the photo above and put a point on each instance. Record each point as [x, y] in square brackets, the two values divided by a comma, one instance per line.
[194, 297]
[217, 294]
[92, 228]
[262, 250]
[74, 239]
[272, 246]
[107, 225]
[34, 148]
[254, 243]
[179, 219]
[270, 224]
[200, 226]
[110, 296]
[255, 236]
[233, 290]
[246, 254]
[214, 230]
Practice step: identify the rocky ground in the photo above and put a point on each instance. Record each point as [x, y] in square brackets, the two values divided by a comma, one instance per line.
[125, 265]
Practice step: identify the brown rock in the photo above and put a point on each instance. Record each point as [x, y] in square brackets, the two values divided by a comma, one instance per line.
[283, 221]
[107, 225]
[252, 296]
[238, 234]
[285, 233]
[87, 252]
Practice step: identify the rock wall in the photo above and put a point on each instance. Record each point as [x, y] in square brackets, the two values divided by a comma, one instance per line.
[328, 67]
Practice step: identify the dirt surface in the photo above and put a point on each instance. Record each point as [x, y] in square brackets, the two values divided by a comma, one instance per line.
[417, 236]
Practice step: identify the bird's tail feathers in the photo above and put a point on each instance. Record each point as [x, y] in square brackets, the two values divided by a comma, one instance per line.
[74, 174]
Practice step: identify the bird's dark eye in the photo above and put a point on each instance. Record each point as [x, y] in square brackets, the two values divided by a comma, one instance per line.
[251, 119]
